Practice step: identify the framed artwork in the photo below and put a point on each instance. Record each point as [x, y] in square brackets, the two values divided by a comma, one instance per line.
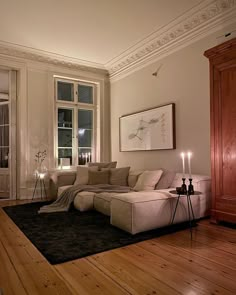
[152, 129]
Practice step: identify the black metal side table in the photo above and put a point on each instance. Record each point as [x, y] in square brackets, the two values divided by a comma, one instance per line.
[190, 207]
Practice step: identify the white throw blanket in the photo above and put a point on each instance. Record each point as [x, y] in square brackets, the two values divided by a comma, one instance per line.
[65, 200]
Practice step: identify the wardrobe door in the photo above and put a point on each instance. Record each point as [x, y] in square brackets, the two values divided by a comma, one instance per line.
[224, 153]
[223, 130]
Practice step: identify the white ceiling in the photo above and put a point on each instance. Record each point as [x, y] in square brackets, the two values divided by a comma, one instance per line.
[91, 30]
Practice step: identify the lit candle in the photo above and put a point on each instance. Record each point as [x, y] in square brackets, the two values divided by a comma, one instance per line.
[183, 162]
[189, 164]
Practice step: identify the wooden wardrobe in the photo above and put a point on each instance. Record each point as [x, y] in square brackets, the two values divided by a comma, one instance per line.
[222, 60]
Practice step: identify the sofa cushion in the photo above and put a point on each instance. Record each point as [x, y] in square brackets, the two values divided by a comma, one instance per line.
[103, 164]
[133, 177]
[148, 180]
[119, 176]
[99, 177]
[166, 179]
[84, 201]
[102, 202]
[82, 176]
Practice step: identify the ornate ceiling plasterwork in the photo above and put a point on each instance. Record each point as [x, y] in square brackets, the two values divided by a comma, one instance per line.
[203, 18]
[49, 58]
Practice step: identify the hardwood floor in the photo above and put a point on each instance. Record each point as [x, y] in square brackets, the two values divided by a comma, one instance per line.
[171, 264]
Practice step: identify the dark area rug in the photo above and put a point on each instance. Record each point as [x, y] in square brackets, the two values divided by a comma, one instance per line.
[65, 236]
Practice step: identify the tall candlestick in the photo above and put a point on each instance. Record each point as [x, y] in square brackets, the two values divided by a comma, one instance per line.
[183, 162]
[189, 164]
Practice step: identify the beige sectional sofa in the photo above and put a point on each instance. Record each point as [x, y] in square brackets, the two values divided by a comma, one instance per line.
[138, 211]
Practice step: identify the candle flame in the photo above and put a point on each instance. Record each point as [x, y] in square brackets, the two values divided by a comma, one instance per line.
[189, 154]
[182, 155]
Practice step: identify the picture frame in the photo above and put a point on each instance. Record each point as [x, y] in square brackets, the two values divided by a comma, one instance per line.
[152, 129]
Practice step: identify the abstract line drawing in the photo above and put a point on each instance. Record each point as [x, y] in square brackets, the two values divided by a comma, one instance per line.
[148, 130]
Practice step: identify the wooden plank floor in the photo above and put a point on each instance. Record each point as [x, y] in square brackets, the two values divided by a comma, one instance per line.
[171, 264]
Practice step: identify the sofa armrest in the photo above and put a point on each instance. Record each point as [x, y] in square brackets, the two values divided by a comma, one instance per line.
[60, 178]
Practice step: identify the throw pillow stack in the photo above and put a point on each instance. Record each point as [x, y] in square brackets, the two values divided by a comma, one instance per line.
[102, 173]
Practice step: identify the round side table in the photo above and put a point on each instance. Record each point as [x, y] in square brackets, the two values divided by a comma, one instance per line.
[190, 208]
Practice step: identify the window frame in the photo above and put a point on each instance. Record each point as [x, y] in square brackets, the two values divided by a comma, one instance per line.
[75, 106]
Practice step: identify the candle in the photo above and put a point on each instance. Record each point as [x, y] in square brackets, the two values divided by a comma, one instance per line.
[183, 162]
[189, 164]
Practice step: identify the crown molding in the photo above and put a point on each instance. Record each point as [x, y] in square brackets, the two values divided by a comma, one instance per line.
[199, 21]
[35, 55]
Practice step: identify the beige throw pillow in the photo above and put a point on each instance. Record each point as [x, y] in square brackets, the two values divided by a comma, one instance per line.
[119, 176]
[148, 180]
[82, 176]
[99, 177]
[133, 177]
[166, 179]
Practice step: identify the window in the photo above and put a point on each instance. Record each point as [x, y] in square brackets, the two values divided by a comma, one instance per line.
[76, 114]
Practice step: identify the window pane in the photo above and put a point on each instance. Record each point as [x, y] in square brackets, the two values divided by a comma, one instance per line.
[85, 119]
[65, 118]
[64, 137]
[4, 152]
[85, 139]
[85, 156]
[4, 136]
[85, 128]
[85, 94]
[65, 153]
[4, 114]
[65, 91]
[65, 134]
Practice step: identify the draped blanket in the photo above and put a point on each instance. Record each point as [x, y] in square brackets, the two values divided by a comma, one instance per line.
[65, 200]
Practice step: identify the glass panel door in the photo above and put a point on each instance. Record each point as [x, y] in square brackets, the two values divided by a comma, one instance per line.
[4, 150]
[4, 135]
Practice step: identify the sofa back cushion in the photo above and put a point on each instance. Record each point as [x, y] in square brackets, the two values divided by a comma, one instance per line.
[101, 165]
[99, 177]
[166, 179]
[82, 176]
[119, 176]
[133, 177]
[148, 180]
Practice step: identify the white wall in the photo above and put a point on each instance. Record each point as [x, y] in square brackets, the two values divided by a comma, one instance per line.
[36, 118]
[184, 80]
[4, 83]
